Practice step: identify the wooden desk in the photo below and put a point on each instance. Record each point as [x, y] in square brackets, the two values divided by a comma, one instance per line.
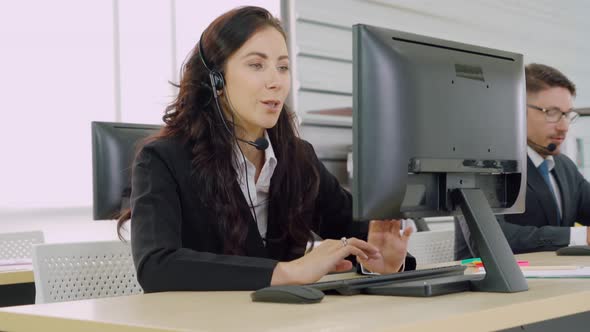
[16, 276]
[233, 311]
[17, 286]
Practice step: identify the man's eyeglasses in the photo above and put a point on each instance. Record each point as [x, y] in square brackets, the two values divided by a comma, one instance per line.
[555, 114]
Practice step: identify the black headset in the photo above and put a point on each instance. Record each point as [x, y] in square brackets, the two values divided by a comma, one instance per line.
[218, 83]
[216, 78]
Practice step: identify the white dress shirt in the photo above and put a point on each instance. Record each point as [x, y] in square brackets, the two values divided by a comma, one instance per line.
[259, 190]
[577, 234]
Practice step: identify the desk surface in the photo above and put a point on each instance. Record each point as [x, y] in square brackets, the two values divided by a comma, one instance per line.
[19, 275]
[232, 311]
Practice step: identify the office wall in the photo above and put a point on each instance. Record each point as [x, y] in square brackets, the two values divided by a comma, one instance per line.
[544, 31]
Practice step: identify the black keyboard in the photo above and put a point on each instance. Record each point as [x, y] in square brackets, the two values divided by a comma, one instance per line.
[355, 285]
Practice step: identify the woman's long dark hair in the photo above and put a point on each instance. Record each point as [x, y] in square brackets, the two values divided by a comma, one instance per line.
[193, 118]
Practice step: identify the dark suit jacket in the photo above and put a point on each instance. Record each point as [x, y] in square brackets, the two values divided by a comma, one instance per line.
[175, 246]
[537, 229]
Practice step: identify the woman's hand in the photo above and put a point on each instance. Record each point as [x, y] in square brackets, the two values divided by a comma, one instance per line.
[393, 246]
[329, 256]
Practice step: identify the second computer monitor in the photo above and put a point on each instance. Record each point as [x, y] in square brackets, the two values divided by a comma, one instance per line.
[114, 146]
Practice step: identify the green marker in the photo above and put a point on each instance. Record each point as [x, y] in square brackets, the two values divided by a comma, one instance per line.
[471, 261]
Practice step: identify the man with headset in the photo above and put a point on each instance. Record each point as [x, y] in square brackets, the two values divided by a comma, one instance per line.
[557, 195]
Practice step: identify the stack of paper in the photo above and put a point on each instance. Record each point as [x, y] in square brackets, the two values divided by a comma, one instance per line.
[547, 272]
[552, 271]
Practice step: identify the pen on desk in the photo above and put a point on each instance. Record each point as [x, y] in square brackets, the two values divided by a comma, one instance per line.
[470, 261]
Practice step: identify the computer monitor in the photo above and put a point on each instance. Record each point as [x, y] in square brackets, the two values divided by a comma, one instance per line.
[114, 146]
[439, 128]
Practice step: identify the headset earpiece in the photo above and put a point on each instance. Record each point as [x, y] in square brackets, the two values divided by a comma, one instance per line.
[215, 77]
[217, 82]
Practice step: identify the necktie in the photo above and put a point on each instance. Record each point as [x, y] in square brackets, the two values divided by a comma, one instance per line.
[544, 170]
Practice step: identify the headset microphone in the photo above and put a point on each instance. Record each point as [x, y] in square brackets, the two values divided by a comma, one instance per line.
[549, 148]
[260, 143]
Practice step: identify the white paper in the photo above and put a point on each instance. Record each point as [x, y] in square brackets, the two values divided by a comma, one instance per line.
[537, 272]
[582, 272]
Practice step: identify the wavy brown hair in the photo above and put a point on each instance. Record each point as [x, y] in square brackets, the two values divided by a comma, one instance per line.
[192, 117]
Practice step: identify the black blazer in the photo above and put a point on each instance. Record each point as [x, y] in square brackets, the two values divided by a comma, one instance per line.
[175, 246]
[536, 229]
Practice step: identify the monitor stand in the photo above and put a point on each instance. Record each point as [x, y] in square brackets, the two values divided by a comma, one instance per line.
[502, 272]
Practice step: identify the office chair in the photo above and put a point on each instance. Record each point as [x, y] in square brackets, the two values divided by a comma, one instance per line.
[18, 246]
[432, 246]
[76, 271]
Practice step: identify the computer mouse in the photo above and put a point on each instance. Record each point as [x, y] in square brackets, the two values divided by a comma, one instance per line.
[288, 294]
[573, 251]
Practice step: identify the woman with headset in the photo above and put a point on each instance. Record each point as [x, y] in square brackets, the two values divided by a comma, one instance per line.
[226, 196]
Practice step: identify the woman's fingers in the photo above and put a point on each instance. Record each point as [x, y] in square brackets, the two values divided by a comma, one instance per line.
[352, 250]
[351, 246]
[368, 248]
[386, 226]
[362, 260]
[342, 266]
[379, 226]
[407, 232]
[396, 225]
[342, 249]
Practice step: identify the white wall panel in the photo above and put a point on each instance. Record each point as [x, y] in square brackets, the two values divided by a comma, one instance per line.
[312, 37]
[313, 101]
[326, 75]
[544, 31]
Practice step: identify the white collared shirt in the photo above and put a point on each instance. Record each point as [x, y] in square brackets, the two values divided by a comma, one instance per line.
[577, 234]
[259, 190]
